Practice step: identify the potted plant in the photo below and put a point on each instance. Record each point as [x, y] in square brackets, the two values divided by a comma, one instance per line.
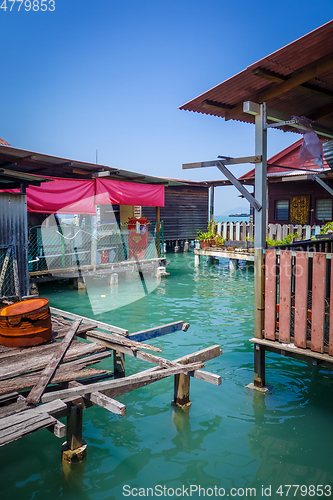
[204, 239]
[219, 241]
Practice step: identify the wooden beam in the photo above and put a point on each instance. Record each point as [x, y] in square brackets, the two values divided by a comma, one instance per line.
[207, 104]
[45, 377]
[151, 333]
[104, 326]
[300, 76]
[278, 78]
[125, 382]
[118, 340]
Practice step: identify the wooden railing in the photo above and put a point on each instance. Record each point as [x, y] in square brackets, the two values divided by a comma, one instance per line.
[240, 231]
[298, 289]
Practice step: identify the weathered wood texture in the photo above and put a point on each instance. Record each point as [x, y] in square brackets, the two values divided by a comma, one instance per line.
[27, 421]
[46, 375]
[303, 311]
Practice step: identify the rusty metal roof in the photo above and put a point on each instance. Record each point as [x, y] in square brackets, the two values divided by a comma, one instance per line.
[295, 80]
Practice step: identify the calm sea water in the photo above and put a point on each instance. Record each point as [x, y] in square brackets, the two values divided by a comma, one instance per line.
[231, 437]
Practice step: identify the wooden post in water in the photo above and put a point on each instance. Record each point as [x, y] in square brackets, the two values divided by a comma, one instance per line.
[118, 364]
[74, 449]
[182, 390]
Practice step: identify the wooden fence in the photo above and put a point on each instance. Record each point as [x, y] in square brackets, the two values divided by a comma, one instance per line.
[298, 289]
[241, 231]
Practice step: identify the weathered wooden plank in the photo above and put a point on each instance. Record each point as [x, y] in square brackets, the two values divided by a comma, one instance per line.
[53, 407]
[28, 363]
[151, 333]
[203, 355]
[104, 326]
[285, 296]
[270, 294]
[31, 425]
[123, 382]
[21, 383]
[45, 377]
[318, 302]
[301, 299]
[119, 340]
[110, 404]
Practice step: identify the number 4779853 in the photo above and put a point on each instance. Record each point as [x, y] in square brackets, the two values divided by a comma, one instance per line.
[27, 5]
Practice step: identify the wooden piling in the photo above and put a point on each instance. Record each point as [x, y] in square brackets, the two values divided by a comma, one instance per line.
[74, 449]
[182, 390]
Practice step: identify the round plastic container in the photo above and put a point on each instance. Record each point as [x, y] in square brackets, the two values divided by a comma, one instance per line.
[25, 323]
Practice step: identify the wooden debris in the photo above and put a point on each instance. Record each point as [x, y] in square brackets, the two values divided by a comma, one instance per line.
[45, 377]
[123, 382]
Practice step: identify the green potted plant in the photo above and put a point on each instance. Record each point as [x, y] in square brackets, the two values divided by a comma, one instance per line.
[204, 239]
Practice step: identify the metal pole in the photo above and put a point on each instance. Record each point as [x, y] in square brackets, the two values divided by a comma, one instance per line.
[260, 241]
[260, 220]
[211, 208]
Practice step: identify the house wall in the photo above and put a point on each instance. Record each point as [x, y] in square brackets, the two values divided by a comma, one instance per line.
[185, 211]
[286, 190]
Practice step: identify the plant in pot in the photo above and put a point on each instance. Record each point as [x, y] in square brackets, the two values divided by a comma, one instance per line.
[211, 231]
[219, 241]
[204, 239]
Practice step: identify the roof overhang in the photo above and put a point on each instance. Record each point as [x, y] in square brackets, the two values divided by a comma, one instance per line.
[296, 80]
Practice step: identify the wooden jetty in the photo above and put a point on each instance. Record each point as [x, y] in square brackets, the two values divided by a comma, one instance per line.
[216, 252]
[41, 384]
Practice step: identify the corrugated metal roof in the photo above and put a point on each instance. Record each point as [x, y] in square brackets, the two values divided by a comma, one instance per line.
[310, 98]
[32, 163]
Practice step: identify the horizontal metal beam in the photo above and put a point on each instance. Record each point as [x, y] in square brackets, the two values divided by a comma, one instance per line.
[282, 119]
[226, 161]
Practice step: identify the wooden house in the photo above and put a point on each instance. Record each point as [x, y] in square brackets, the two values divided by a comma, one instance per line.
[293, 292]
[294, 196]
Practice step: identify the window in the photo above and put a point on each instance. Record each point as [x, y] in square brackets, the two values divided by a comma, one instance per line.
[324, 209]
[282, 210]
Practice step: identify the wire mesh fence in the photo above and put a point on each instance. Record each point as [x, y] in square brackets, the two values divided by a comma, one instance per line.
[9, 284]
[67, 246]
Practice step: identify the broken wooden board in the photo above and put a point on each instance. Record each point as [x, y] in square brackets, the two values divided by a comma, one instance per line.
[123, 382]
[31, 360]
[50, 368]
[27, 421]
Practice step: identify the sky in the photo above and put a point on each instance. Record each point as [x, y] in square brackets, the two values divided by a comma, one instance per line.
[110, 76]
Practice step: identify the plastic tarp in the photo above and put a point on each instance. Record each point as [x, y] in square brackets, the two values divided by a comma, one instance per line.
[71, 196]
[128, 193]
[67, 196]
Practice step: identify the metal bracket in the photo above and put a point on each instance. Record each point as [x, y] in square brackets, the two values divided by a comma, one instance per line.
[251, 199]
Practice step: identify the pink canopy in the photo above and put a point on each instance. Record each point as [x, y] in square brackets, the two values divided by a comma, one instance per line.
[128, 193]
[70, 196]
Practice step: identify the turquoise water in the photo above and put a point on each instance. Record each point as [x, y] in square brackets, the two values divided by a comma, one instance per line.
[231, 437]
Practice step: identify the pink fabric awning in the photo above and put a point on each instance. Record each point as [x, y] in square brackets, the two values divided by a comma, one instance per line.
[67, 196]
[128, 193]
[71, 196]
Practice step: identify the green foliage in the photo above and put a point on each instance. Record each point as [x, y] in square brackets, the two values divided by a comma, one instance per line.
[327, 228]
[210, 233]
[219, 241]
[286, 241]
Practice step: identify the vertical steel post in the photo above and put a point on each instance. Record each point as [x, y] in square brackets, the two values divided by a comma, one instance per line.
[260, 243]
[211, 205]
[260, 220]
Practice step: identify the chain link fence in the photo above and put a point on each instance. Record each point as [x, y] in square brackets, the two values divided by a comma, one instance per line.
[66, 246]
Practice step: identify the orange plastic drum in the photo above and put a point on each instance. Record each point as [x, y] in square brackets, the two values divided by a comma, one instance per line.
[25, 323]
